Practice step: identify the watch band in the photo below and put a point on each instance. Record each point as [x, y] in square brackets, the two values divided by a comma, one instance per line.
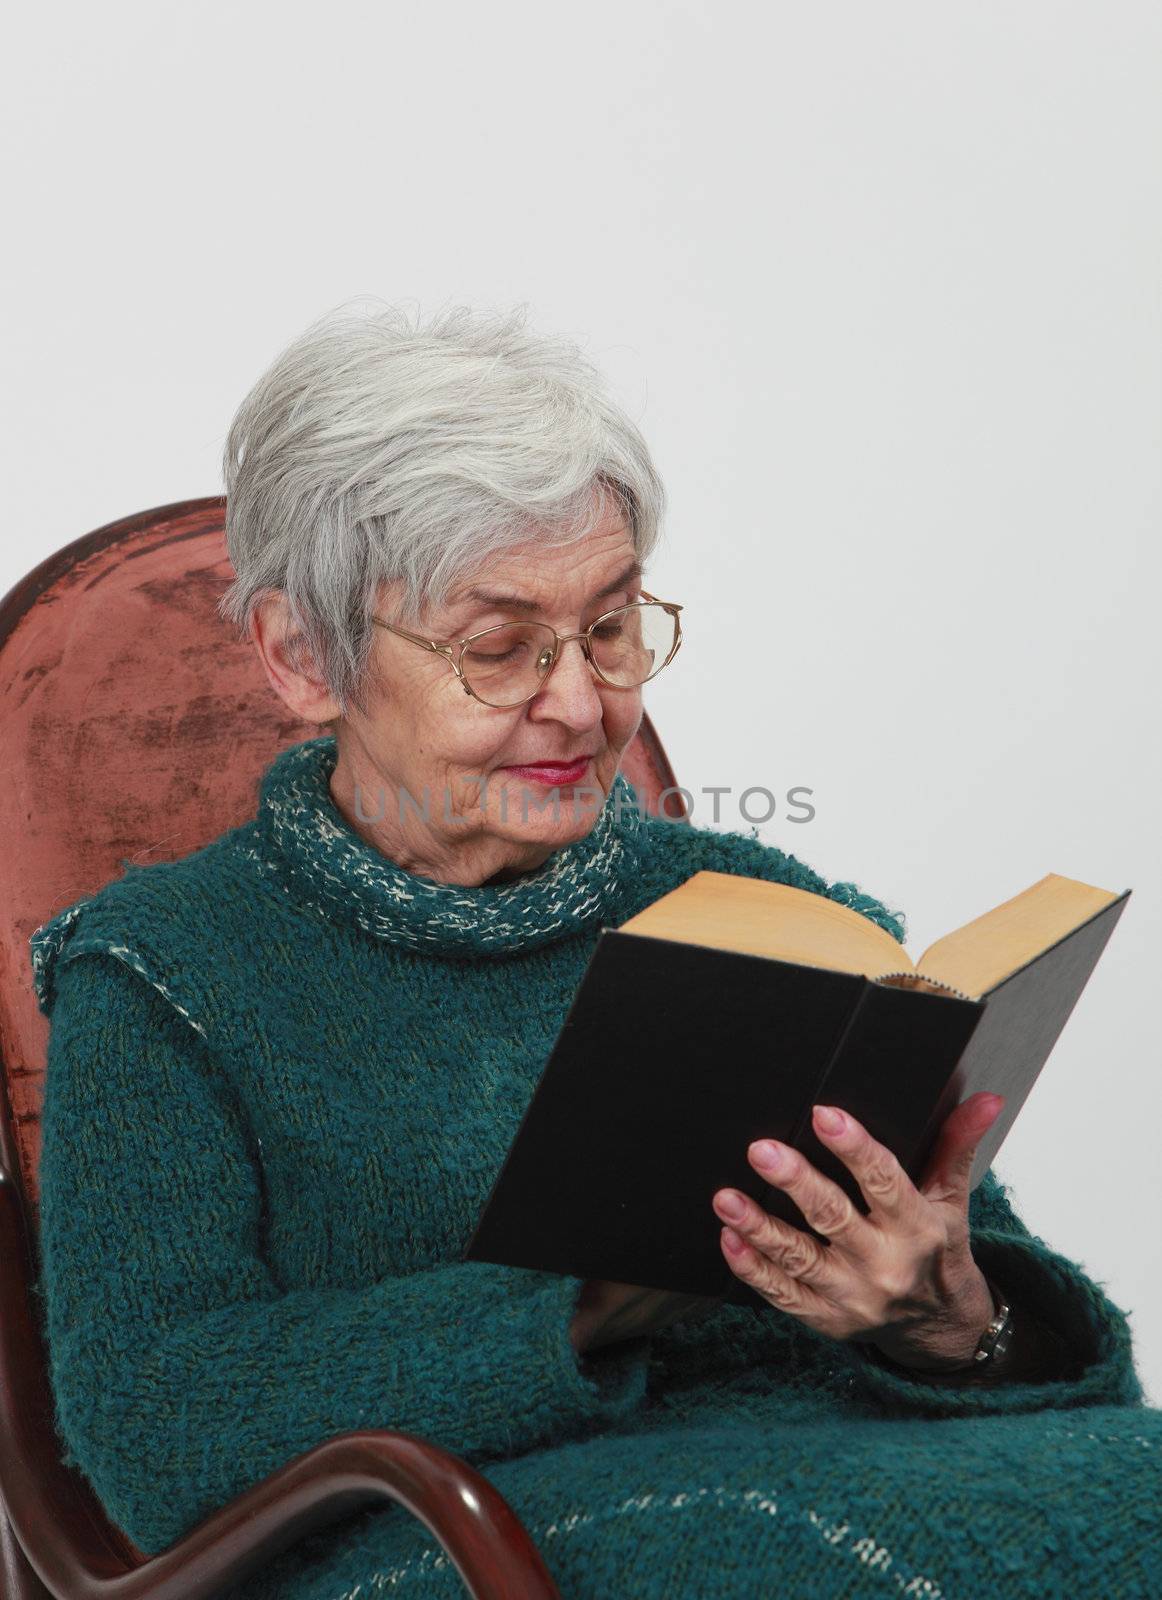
[996, 1338]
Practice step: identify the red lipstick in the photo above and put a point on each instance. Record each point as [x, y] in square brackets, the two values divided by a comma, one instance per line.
[553, 773]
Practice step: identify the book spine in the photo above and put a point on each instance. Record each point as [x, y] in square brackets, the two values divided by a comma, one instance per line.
[890, 1068]
[917, 980]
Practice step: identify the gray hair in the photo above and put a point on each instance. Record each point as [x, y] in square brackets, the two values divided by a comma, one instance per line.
[380, 448]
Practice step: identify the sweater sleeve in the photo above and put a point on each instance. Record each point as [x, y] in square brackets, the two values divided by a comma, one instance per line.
[1091, 1334]
[182, 1374]
[767, 1354]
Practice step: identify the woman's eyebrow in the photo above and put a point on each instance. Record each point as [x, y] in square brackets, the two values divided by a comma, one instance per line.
[517, 602]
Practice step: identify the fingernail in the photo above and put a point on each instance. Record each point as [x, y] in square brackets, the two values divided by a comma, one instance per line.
[830, 1120]
[767, 1155]
[731, 1205]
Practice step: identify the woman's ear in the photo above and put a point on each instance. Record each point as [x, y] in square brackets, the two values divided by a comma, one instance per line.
[289, 663]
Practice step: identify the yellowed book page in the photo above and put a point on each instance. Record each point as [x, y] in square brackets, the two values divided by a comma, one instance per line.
[992, 947]
[728, 912]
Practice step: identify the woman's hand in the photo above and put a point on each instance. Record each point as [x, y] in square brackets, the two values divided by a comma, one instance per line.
[607, 1312]
[902, 1278]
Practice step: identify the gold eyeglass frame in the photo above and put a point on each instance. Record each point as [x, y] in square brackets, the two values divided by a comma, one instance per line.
[445, 647]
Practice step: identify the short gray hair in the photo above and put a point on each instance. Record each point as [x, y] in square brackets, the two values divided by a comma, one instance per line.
[380, 448]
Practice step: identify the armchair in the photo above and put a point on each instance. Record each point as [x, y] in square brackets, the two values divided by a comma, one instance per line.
[136, 726]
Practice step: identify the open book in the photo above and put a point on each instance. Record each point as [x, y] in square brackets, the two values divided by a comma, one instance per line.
[750, 915]
[720, 1014]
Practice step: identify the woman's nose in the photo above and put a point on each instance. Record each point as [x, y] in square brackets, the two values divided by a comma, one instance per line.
[571, 692]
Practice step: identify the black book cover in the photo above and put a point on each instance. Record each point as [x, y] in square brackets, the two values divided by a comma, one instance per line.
[674, 1057]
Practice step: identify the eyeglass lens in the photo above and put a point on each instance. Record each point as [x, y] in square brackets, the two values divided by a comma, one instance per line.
[507, 665]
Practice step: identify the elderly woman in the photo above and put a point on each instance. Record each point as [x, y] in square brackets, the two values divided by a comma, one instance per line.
[285, 1070]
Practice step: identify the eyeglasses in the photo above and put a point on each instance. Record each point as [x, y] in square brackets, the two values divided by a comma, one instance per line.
[506, 665]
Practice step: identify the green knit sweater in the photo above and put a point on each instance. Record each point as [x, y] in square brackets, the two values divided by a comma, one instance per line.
[280, 1085]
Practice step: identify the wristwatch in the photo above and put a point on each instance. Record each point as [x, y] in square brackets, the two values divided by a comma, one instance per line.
[995, 1339]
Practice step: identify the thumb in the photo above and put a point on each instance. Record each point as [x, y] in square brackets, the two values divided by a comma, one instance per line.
[950, 1167]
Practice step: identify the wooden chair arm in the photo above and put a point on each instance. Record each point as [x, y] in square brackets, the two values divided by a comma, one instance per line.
[79, 1555]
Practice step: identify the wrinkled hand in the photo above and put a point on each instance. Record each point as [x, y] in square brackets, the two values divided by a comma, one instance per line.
[901, 1278]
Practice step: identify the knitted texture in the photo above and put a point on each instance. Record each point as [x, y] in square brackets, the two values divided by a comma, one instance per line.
[280, 1085]
[325, 862]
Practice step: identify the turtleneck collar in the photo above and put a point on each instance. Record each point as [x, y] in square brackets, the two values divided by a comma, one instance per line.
[325, 862]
